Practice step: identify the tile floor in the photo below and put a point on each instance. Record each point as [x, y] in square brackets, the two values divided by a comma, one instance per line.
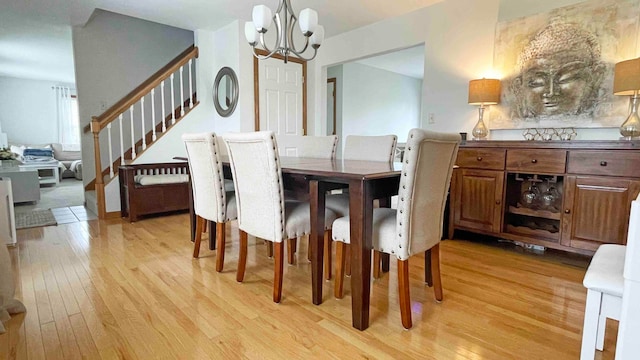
[71, 214]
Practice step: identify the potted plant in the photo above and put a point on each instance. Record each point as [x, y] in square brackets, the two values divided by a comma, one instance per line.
[8, 158]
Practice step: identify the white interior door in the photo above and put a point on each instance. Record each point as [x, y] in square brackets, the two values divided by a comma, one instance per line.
[280, 94]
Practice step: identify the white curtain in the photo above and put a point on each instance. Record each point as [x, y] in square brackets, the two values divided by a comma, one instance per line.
[68, 134]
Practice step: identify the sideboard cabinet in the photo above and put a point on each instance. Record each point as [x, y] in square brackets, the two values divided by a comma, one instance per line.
[572, 195]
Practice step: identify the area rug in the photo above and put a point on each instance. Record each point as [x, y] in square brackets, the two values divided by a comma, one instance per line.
[35, 218]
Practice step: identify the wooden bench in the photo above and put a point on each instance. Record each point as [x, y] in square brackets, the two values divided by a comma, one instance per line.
[147, 189]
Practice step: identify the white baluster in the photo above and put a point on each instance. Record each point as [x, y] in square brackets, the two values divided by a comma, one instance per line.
[153, 113]
[190, 87]
[173, 103]
[164, 123]
[133, 139]
[110, 150]
[121, 142]
[144, 133]
[181, 93]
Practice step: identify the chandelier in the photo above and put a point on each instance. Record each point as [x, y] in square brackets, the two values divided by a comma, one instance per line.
[285, 21]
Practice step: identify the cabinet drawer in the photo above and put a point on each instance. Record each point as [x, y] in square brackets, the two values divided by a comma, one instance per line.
[537, 161]
[611, 163]
[490, 159]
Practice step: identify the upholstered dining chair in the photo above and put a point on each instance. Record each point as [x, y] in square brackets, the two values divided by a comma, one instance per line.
[211, 201]
[416, 225]
[262, 209]
[317, 147]
[363, 148]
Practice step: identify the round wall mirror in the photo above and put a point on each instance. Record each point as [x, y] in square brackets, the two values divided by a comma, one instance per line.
[225, 91]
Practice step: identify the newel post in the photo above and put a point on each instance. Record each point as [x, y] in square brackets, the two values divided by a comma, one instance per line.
[95, 129]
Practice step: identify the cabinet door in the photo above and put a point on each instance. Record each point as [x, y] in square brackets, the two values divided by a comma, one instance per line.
[477, 202]
[596, 211]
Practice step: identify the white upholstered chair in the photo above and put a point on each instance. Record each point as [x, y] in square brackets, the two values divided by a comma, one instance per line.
[262, 209]
[210, 199]
[604, 282]
[416, 225]
[363, 148]
[318, 147]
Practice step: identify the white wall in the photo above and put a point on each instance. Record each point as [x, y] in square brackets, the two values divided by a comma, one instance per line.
[29, 110]
[458, 37]
[114, 54]
[378, 102]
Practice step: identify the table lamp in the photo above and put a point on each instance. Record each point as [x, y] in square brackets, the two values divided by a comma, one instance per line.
[626, 81]
[483, 92]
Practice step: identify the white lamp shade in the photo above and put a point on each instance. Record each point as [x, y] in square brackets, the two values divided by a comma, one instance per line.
[262, 17]
[250, 32]
[317, 37]
[308, 21]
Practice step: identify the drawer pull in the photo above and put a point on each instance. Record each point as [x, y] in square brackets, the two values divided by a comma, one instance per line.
[497, 202]
[534, 161]
[567, 211]
[603, 163]
[479, 158]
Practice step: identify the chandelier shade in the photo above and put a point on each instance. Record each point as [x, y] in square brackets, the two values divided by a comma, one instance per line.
[285, 20]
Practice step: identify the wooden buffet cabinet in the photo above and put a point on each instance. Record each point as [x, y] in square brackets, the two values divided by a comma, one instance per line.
[567, 195]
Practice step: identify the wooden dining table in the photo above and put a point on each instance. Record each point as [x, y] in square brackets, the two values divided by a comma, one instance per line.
[366, 181]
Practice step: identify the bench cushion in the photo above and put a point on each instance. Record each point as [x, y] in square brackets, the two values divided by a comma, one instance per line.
[161, 179]
[605, 271]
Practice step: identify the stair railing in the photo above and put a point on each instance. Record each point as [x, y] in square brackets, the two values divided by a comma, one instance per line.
[132, 108]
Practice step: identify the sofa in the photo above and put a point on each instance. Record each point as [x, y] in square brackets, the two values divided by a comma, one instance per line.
[69, 162]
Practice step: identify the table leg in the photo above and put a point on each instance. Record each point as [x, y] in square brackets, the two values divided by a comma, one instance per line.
[317, 192]
[428, 277]
[385, 203]
[212, 235]
[361, 214]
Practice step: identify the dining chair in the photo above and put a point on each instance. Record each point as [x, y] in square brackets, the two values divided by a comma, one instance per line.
[262, 209]
[416, 225]
[211, 201]
[363, 148]
[317, 147]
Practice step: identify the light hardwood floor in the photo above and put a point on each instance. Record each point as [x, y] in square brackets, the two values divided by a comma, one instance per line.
[110, 289]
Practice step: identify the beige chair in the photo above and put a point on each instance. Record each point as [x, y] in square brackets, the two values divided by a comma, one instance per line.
[318, 147]
[363, 148]
[210, 200]
[416, 226]
[262, 209]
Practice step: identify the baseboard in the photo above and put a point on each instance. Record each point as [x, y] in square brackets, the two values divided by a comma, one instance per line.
[112, 215]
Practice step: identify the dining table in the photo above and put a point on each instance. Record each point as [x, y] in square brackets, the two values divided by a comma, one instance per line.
[366, 181]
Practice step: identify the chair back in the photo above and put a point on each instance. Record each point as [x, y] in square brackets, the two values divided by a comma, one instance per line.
[257, 178]
[319, 147]
[207, 179]
[370, 148]
[424, 183]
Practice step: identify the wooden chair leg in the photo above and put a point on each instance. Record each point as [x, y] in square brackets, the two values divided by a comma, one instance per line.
[269, 248]
[340, 260]
[347, 263]
[309, 250]
[196, 244]
[376, 264]
[204, 227]
[403, 292]
[242, 259]
[435, 272]
[220, 241]
[327, 254]
[277, 272]
[291, 245]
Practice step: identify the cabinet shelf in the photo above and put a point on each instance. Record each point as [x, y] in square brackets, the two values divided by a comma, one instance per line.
[523, 230]
[545, 214]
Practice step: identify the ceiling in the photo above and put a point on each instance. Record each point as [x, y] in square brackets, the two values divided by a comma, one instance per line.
[35, 35]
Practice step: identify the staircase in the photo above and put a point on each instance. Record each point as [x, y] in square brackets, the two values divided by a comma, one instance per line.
[133, 124]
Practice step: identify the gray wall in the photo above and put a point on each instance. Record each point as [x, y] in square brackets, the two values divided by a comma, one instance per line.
[29, 115]
[114, 54]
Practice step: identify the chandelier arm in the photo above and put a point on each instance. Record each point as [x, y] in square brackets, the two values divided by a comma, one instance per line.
[281, 5]
[276, 19]
[315, 52]
[292, 44]
[291, 11]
